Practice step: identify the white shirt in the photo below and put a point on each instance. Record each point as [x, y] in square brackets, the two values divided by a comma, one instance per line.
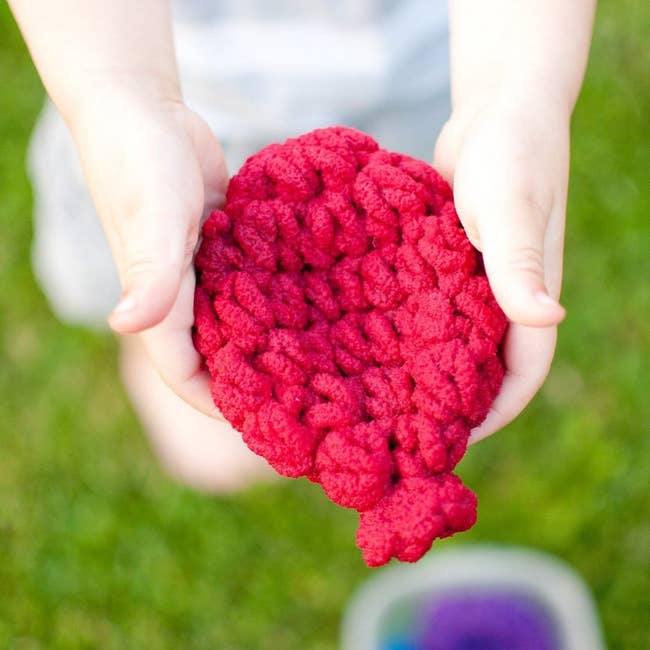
[259, 70]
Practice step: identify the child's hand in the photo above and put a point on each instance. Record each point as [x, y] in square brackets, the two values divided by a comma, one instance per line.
[153, 168]
[152, 165]
[516, 71]
[508, 161]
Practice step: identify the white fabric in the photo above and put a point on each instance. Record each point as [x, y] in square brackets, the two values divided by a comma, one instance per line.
[258, 71]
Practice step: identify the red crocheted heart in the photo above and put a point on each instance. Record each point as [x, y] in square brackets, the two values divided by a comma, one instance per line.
[350, 331]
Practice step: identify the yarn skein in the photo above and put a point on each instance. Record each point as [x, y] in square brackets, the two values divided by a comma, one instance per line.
[350, 331]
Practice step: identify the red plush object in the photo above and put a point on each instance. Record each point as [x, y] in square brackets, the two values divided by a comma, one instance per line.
[350, 331]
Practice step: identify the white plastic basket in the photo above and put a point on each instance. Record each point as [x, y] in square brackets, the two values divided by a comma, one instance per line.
[553, 583]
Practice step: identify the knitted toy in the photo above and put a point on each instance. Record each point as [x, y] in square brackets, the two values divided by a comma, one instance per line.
[350, 331]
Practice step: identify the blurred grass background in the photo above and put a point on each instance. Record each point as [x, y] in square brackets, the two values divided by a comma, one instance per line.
[99, 550]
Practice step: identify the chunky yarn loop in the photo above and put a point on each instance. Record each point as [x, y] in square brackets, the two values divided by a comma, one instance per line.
[350, 331]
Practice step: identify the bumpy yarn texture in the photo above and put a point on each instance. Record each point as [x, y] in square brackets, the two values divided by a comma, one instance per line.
[350, 331]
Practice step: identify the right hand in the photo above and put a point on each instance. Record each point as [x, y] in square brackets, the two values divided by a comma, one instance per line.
[508, 160]
[154, 168]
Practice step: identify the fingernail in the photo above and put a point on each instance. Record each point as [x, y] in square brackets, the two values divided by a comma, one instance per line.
[546, 300]
[127, 303]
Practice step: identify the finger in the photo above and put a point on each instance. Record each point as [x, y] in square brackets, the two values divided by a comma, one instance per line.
[153, 252]
[446, 150]
[172, 352]
[211, 162]
[528, 352]
[554, 248]
[511, 231]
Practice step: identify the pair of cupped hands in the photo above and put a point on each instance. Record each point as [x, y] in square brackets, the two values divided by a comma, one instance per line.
[155, 168]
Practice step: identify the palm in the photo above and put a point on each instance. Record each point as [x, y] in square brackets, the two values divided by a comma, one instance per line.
[169, 343]
[509, 181]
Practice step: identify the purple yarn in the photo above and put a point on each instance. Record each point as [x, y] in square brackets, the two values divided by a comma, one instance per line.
[487, 621]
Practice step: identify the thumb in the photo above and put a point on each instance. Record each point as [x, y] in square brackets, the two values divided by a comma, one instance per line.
[511, 238]
[151, 260]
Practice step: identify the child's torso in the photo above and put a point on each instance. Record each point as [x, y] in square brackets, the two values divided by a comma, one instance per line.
[264, 10]
[261, 63]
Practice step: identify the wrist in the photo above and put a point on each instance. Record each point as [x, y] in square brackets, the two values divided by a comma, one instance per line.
[514, 97]
[115, 90]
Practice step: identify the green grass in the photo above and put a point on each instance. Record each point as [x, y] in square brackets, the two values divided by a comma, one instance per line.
[99, 550]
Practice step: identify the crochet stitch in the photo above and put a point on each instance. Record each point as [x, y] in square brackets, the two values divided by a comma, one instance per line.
[350, 331]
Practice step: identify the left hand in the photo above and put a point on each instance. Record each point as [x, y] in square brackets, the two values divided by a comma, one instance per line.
[154, 168]
[508, 161]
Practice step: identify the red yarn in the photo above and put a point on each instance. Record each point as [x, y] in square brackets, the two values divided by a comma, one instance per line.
[350, 331]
